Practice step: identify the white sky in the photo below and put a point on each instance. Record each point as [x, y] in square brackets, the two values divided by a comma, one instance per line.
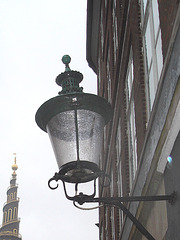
[34, 35]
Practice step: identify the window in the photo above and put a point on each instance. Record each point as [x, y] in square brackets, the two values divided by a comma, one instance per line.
[11, 196]
[107, 223]
[132, 143]
[144, 3]
[102, 31]
[130, 115]
[5, 217]
[102, 233]
[152, 47]
[119, 171]
[105, 137]
[112, 223]
[10, 215]
[112, 208]
[15, 213]
[99, 72]
[108, 76]
[115, 34]
[15, 194]
[118, 151]
[112, 183]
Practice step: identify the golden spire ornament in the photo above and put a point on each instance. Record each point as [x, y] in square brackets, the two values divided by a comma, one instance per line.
[14, 166]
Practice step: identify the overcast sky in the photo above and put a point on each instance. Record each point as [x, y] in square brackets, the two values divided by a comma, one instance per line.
[34, 35]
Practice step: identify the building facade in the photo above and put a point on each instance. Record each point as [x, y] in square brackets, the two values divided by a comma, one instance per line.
[9, 230]
[134, 48]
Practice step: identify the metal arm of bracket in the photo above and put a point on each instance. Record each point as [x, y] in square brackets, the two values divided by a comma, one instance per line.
[117, 202]
[114, 201]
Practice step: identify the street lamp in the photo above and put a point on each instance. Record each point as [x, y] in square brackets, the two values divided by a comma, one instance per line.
[74, 122]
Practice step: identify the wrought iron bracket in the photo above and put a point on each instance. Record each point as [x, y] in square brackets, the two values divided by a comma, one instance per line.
[82, 198]
[113, 201]
[118, 202]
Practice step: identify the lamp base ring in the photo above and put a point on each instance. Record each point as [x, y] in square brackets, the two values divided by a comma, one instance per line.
[79, 172]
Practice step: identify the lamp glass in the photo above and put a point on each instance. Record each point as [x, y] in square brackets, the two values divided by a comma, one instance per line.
[76, 135]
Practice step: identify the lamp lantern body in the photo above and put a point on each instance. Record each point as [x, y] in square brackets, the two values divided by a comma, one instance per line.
[74, 122]
[76, 135]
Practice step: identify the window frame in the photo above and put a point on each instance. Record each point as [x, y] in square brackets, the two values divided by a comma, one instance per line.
[130, 117]
[154, 65]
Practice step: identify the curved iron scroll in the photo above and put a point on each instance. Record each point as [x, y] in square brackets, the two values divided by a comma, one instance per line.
[63, 178]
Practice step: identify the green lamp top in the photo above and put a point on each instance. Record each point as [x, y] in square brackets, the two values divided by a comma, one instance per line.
[69, 80]
[70, 98]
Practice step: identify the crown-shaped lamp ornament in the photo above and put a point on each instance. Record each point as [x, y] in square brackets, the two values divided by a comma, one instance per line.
[69, 80]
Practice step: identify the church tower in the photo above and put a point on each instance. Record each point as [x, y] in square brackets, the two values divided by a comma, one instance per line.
[9, 230]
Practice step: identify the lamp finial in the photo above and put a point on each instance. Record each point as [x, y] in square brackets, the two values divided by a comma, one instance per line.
[69, 80]
[66, 59]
